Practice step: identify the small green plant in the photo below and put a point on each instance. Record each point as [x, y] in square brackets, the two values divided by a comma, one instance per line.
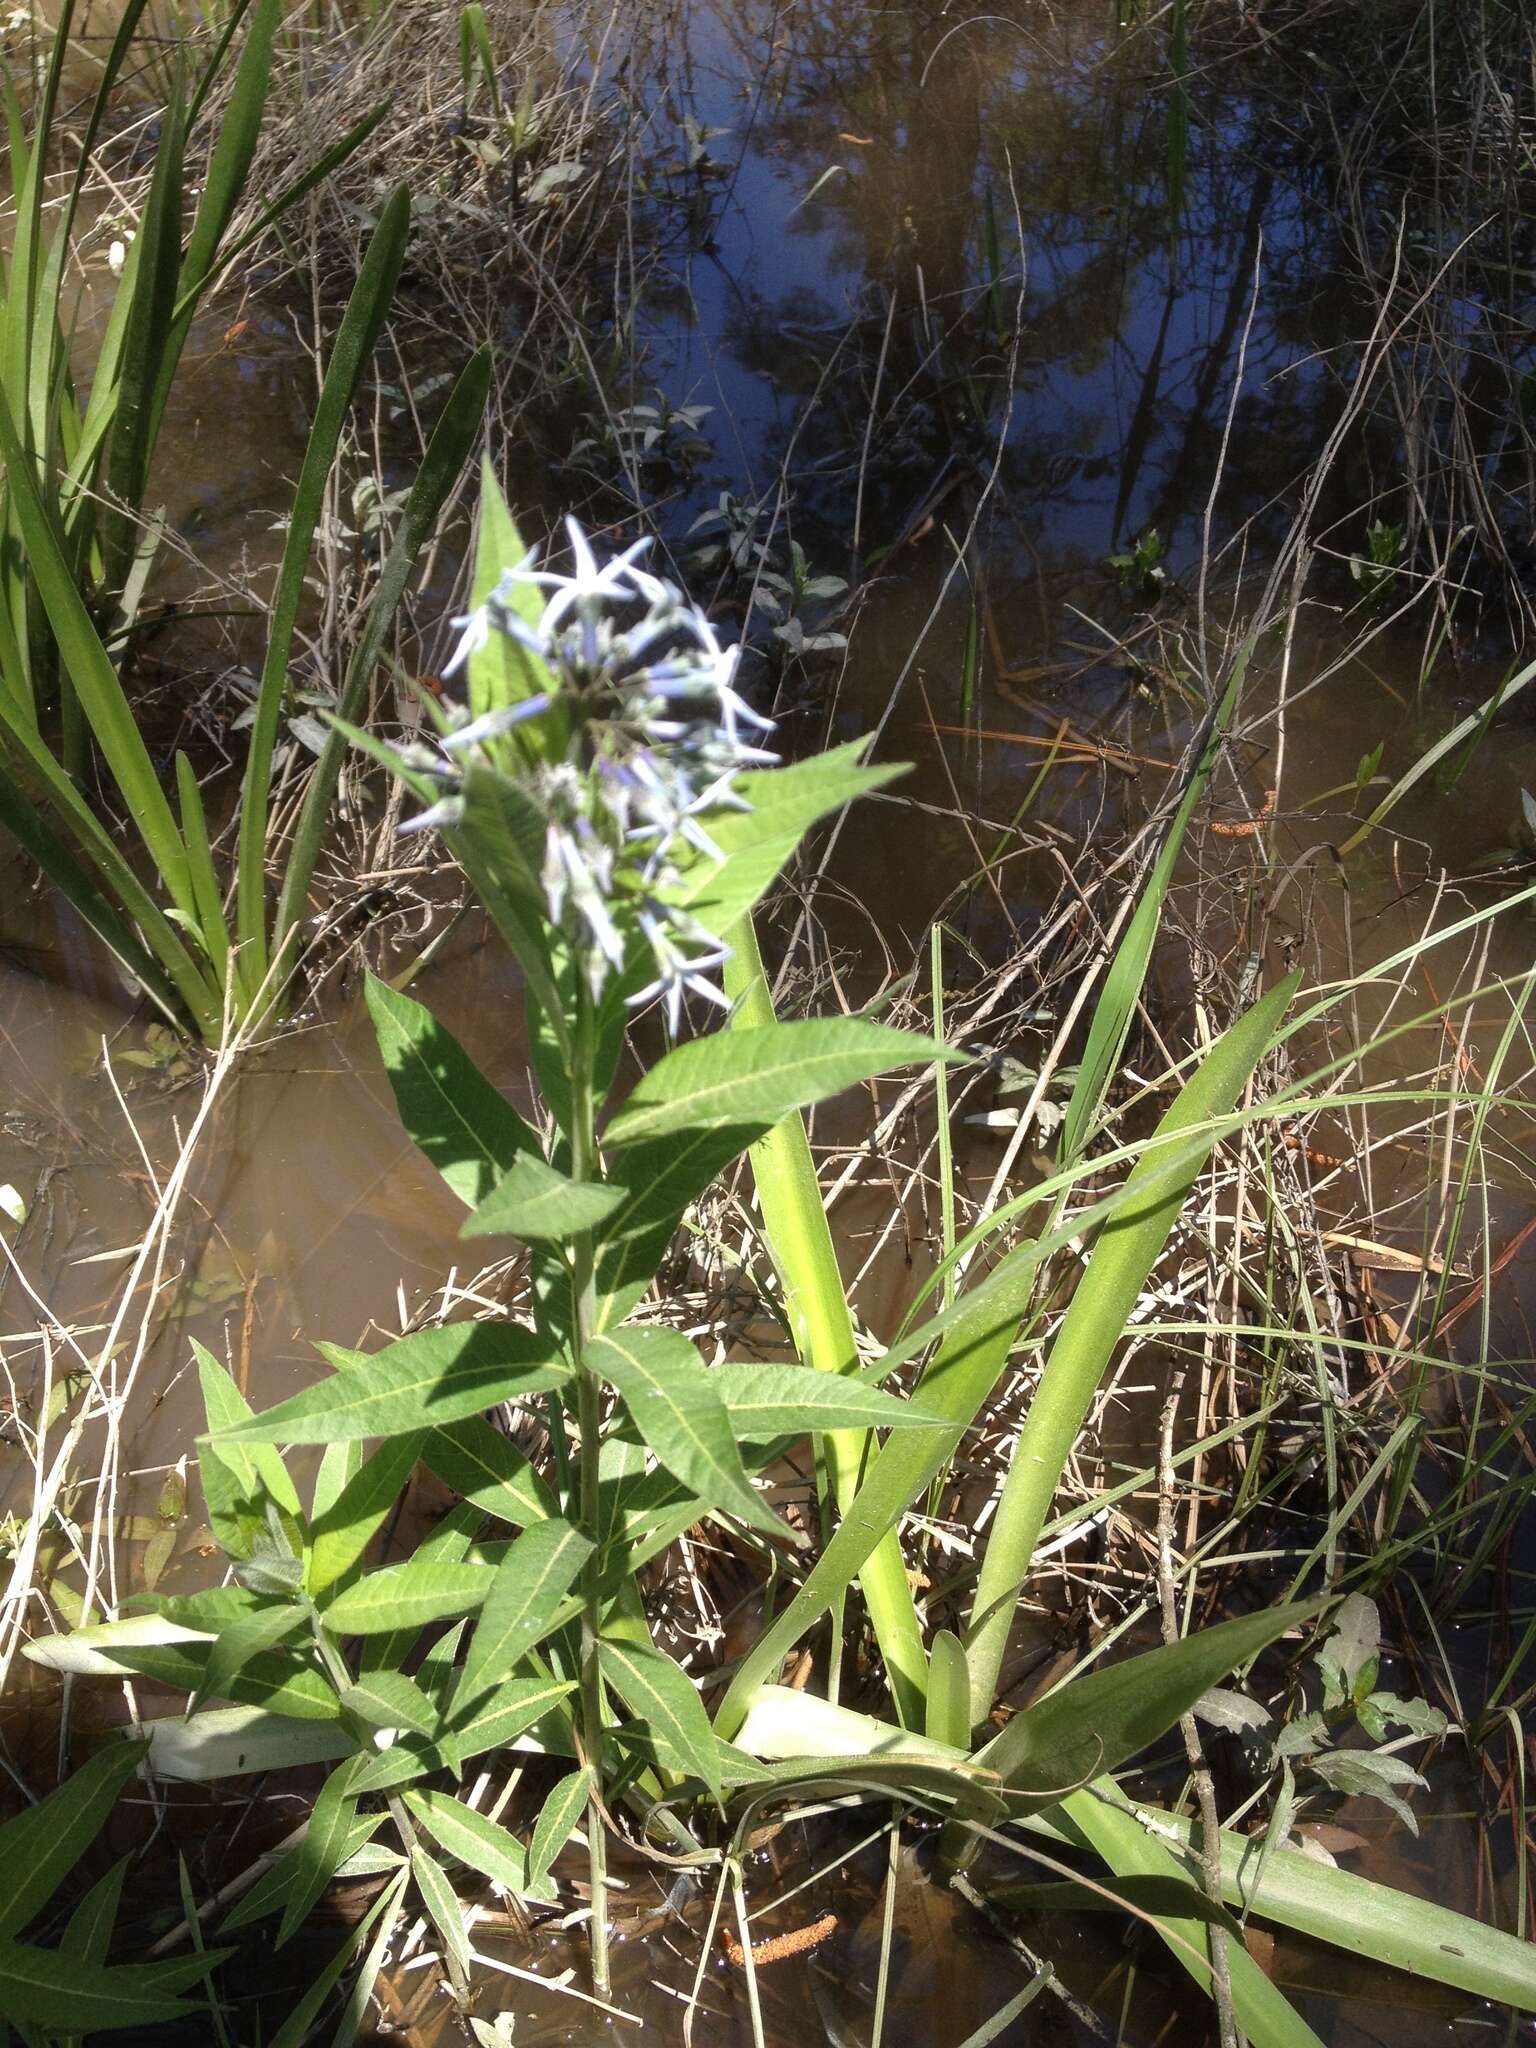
[1378, 569]
[1142, 572]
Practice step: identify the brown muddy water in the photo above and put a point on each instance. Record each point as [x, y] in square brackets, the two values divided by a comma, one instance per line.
[954, 225]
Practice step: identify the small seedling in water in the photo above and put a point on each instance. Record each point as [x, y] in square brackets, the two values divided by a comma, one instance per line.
[1143, 576]
[1378, 568]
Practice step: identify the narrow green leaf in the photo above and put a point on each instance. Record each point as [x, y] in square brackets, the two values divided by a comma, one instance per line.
[327, 1843]
[558, 1819]
[388, 1699]
[436, 1376]
[662, 1695]
[534, 1202]
[41, 1987]
[274, 1887]
[765, 1401]
[408, 1596]
[443, 1908]
[538, 1570]
[484, 1466]
[670, 1393]
[89, 1933]
[259, 1472]
[473, 1839]
[755, 1077]
[514, 1709]
[267, 1680]
[447, 451]
[354, 344]
[341, 1532]
[242, 1640]
[40, 1847]
[451, 1112]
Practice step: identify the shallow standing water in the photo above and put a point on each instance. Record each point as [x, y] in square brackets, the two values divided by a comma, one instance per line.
[956, 227]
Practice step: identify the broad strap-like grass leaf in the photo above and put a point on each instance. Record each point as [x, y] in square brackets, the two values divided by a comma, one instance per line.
[948, 1715]
[663, 1696]
[670, 1394]
[435, 1376]
[532, 1579]
[1122, 1256]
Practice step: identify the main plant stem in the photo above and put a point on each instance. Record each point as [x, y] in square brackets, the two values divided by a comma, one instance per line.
[589, 1421]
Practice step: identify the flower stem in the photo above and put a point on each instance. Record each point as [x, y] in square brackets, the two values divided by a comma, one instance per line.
[589, 1422]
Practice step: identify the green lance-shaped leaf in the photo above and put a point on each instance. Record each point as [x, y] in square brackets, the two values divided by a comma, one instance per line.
[754, 1077]
[354, 343]
[1093, 1724]
[273, 1889]
[408, 1596]
[326, 1844]
[503, 672]
[756, 843]
[247, 1477]
[513, 1709]
[43, 1988]
[40, 1847]
[267, 1679]
[451, 1112]
[436, 1376]
[89, 1933]
[765, 1401]
[473, 1839]
[1123, 1255]
[239, 1642]
[442, 1905]
[342, 1530]
[534, 1202]
[531, 1581]
[661, 1694]
[558, 1819]
[389, 1699]
[487, 1469]
[670, 1394]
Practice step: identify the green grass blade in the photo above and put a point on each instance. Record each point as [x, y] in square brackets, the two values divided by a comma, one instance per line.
[800, 1245]
[26, 823]
[93, 677]
[1122, 1257]
[354, 344]
[447, 452]
[1116, 1006]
